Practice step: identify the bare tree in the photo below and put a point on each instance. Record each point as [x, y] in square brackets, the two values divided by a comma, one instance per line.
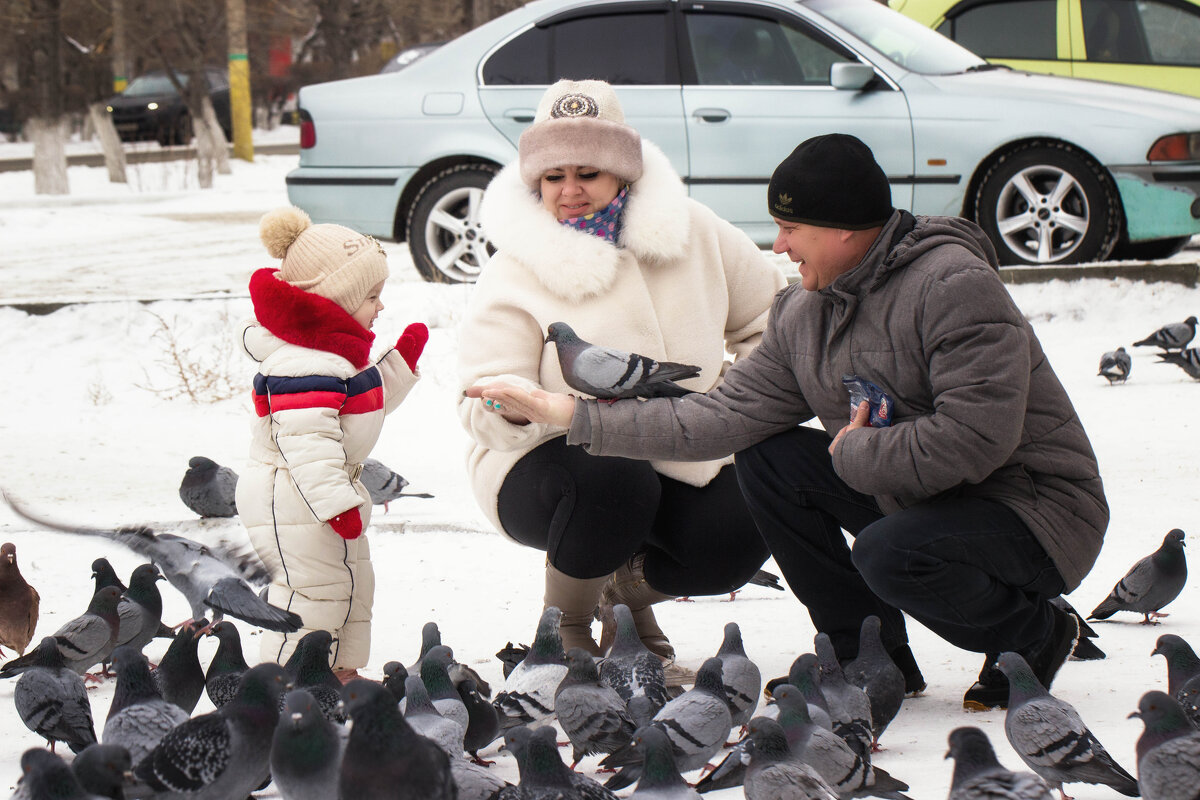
[48, 126]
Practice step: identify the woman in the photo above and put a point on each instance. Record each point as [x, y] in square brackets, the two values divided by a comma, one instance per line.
[595, 229]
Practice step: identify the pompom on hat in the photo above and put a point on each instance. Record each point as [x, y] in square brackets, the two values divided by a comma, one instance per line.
[331, 261]
[831, 181]
[579, 123]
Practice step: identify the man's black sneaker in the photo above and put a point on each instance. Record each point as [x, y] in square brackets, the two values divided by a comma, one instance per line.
[991, 690]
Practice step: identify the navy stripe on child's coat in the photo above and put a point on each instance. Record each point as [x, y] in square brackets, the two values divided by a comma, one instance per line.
[360, 394]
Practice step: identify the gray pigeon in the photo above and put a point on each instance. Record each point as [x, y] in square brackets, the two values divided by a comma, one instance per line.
[424, 718]
[45, 776]
[224, 754]
[483, 723]
[544, 776]
[431, 637]
[1115, 365]
[876, 674]
[979, 775]
[138, 717]
[1050, 736]
[1187, 360]
[394, 675]
[51, 700]
[805, 675]
[528, 694]
[772, 773]
[607, 373]
[208, 488]
[435, 675]
[660, 778]
[592, 715]
[179, 676]
[1150, 584]
[84, 641]
[19, 603]
[1182, 662]
[385, 757]
[227, 666]
[102, 769]
[849, 706]
[1168, 751]
[1174, 336]
[104, 575]
[306, 750]
[743, 679]
[383, 485]
[140, 608]
[210, 578]
[308, 668]
[632, 670]
[1189, 697]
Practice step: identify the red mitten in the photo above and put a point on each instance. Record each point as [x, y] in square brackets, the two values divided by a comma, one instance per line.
[347, 524]
[412, 342]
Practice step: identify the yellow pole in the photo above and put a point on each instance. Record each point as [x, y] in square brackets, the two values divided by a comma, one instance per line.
[119, 65]
[239, 81]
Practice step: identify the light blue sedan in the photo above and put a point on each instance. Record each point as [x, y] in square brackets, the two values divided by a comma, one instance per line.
[1055, 170]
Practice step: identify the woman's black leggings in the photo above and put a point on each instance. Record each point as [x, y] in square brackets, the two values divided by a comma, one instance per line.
[591, 513]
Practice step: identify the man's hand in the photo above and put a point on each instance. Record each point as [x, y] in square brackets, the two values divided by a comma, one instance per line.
[520, 407]
[862, 419]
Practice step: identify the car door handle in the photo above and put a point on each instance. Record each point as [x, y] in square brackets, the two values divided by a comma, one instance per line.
[520, 114]
[711, 114]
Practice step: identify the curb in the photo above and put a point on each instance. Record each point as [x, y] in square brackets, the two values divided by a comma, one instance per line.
[1186, 273]
[135, 156]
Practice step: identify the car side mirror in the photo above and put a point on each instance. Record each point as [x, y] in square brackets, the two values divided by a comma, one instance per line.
[851, 75]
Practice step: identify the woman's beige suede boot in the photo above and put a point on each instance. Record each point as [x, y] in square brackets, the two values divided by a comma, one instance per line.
[628, 586]
[577, 599]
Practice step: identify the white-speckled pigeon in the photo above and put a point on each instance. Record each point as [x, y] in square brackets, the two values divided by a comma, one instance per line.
[544, 776]
[224, 754]
[208, 489]
[528, 694]
[592, 715]
[1115, 365]
[103, 770]
[1182, 662]
[1150, 584]
[1173, 336]
[138, 717]
[52, 701]
[849, 706]
[179, 676]
[45, 776]
[227, 666]
[1189, 698]
[306, 750]
[979, 775]
[19, 603]
[773, 774]
[85, 641]
[876, 674]
[743, 679]
[308, 668]
[608, 373]
[632, 670]
[660, 778]
[1168, 751]
[1050, 736]
[1187, 360]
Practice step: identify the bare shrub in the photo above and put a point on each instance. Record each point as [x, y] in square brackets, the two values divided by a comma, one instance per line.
[202, 374]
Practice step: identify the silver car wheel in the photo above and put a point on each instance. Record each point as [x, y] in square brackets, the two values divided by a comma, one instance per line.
[455, 236]
[1042, 213]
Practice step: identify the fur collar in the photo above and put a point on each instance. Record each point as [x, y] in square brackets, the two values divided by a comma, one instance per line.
[308, 320]
[575, 265]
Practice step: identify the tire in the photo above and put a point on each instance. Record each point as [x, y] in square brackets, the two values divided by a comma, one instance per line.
[1148, 251]
[444, 234]
[1048, 204]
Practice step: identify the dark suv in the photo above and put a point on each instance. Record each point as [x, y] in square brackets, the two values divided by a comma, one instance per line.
[151, 108]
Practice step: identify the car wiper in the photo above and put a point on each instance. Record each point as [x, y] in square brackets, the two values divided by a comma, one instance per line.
[987, 67]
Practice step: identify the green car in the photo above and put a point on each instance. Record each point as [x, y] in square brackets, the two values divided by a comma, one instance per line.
[1150, 43]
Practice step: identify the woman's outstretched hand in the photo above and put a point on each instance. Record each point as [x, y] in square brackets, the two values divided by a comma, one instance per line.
[520, 407]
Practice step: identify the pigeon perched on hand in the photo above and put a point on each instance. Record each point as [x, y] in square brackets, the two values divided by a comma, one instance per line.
[1187, 360]
[51, 699]
[1150, 584]
[609, 374]
[528, 694]
[208, 488]
[138, 717]
[1168, 751]
[85, 641]
[306, 750]
[383, 485]
[1050, 736]
[1174, 336]
[19, 603]
[979, 775]
[1115, 365]
[210, 578]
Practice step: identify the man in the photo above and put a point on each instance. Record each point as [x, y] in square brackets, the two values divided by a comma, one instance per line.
[978, 502]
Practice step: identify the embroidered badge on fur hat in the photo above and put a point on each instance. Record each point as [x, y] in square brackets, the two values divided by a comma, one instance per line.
[579, 123]
[331, 261]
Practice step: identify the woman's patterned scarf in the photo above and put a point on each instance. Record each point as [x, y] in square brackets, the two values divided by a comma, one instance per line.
[605, 223]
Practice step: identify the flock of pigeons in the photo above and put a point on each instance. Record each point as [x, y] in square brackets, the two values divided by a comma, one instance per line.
[1172, 341]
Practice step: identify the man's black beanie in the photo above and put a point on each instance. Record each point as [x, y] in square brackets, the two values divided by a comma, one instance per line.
[832, 181]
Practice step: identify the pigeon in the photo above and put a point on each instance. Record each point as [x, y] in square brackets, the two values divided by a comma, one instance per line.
[306, 750]
[849, 706]
[385, 757]
[876, 674]
[1050, 736]
[607, 373]
[632, 670]
[660, 779]
[979, 775]
[1189, 698]
[436, 677]
[1085, 649]
[592, 715]
[697, 722]
[483, 723]
[52, 701]
[19, 603]
[1115, 365]
[45, 776]
[223, 754]
[104, 575]
[179, 676]
[1168, 751]
[424, 718]
[394, 674]
[1174, 336]
[139, 610]
[84, 641]
[773, 774]
[308, 668]
[743, 679]
[1150, 584]
[102, 769]
[510, 655]
[431, 637]
[544, 776]
[227, 666]
[383, 485]
[1187, 360]
[138, 717]
[208, 489]
[1182, 662]
[805, 675]
[528, 694]
[210, 578]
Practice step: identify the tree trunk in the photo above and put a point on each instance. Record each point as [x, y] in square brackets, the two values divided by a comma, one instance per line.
[49, 139]
[110, 142]
[220, 145]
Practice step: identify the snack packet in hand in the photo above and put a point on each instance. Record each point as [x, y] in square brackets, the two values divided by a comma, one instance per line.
[881, 404]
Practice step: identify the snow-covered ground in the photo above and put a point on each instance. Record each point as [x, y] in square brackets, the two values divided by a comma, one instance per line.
[95, 430]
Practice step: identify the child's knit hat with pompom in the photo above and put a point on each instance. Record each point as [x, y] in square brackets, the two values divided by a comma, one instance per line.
[328, 260]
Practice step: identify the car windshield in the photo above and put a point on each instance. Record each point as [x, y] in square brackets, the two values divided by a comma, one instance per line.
[148, 85]
[905, 41]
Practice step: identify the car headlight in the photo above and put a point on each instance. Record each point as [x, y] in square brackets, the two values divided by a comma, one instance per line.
[109, 108]
[1176, 147]
[152, 106]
